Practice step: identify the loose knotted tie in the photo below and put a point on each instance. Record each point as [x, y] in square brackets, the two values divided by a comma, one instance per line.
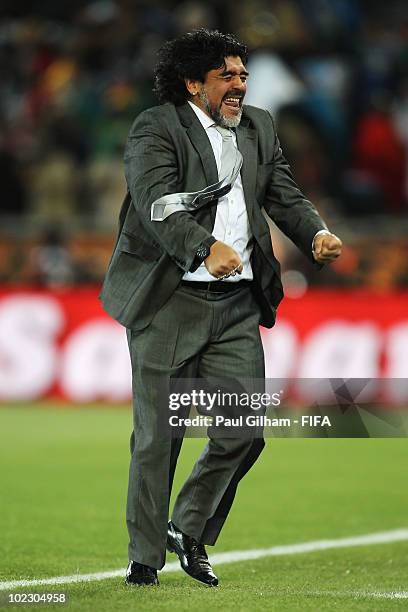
[231, 162]
[230, 155]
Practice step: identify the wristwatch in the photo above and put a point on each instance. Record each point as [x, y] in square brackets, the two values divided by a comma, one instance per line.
[202, 252]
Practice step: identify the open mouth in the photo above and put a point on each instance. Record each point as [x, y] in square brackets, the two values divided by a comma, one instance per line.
[232, 102]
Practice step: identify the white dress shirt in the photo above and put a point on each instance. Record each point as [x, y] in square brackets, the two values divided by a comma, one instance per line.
[231, 220]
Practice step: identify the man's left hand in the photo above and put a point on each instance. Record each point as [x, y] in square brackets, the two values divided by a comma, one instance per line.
[326, 248]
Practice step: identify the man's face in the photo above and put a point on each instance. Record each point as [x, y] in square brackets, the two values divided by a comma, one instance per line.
[222, 93]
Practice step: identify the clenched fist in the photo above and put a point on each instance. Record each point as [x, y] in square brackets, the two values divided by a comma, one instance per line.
[326, 248]
[223, 261]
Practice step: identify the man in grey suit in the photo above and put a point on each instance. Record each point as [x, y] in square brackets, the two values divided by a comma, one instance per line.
[192, 276]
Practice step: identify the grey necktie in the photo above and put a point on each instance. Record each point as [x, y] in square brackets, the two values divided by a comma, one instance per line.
[230, 155]
[231, 162]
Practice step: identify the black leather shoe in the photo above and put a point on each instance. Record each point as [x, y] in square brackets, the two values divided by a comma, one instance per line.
[141, 575]
[192, 555]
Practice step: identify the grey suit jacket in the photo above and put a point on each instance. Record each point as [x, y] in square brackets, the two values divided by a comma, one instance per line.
[168, 151]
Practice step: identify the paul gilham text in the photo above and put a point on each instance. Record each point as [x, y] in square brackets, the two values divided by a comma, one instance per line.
[250, 420]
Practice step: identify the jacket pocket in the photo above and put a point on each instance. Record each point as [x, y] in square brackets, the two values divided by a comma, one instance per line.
[134, 245]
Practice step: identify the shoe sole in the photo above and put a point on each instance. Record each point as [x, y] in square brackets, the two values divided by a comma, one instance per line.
[141, 585]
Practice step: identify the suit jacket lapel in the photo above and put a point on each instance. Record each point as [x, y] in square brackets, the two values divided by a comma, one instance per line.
[247, 141]
[200, 142]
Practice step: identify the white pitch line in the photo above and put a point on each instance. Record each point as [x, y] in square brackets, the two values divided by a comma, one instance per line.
[392, 595]
[359, 594]
[384, 537]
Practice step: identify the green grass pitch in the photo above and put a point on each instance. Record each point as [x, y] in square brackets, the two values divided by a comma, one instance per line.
[63, 485]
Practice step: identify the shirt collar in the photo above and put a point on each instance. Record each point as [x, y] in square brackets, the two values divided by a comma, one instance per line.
[204, 119]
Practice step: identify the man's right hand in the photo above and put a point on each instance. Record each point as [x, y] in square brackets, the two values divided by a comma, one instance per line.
[223, 261]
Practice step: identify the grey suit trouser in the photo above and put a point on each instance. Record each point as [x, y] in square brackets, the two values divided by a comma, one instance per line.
[196, 334]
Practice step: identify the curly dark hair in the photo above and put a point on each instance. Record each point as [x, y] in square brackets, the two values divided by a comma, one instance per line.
[191, 56]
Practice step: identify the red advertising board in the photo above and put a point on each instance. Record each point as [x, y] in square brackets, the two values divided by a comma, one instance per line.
[61, 343]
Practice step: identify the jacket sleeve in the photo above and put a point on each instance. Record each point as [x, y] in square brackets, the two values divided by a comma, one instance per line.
[286, 205]
[152, 171]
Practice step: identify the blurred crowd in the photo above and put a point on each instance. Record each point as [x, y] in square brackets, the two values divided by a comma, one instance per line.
[73, 75]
